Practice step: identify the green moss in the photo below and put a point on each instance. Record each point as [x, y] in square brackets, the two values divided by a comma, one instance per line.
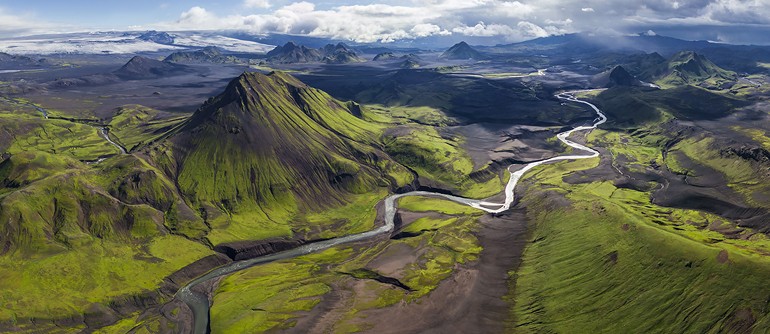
[135, 125]
[54, 136]
[642, 267]
[427, 204]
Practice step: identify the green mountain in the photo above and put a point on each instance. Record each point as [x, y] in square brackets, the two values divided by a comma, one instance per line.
[461, 51]
[270, 142]
[688, 68]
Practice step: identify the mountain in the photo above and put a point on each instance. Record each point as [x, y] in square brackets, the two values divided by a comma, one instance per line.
[139, 68]
[207, 55]
[409, 63]
[271, 141]
[384, 56]
[157, 37]
[617, 76]
[688, 67]
[11, 62]
[292, 53]
[589, 45]
[340, 54]
[461, 51]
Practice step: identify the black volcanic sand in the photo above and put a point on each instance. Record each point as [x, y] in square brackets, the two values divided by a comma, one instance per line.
[469, 301]
[515, 142]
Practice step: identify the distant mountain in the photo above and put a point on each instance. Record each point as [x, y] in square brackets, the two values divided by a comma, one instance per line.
[157, 37]
[410, 63]
[385, 56]
[340, 54]
[12, 62]
[688, 67]
[591, 46]
[291, 53]
[461, 51]
[207, 55]
[270, 141]
[617, 76]
[139, 68]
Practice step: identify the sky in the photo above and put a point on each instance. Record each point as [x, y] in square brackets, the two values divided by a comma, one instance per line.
[499, 21]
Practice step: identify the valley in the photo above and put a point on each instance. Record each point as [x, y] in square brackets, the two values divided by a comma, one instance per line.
[329, 189]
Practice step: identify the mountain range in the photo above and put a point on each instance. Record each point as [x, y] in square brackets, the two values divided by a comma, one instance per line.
[291, 53]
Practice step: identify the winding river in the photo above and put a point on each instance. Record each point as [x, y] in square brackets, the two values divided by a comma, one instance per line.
[199, 303]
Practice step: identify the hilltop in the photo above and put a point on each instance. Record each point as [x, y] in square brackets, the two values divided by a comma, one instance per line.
[270, 142]
[461, 51]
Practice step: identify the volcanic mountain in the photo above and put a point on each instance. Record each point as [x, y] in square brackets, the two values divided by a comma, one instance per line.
[688, 67]
[292, 53]
[617, 76]
[461, 51]
[139, 68]
[272, 140]
[340, 54]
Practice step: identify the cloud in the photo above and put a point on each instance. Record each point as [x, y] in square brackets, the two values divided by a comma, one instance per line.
[14, 25]
[256, 3]
[504, 20]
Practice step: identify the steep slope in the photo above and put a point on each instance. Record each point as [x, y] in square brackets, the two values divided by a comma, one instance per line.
[688, 67]
[617, 76]
[270, 141]
[461, 51]
[139, 68]
[292, 53]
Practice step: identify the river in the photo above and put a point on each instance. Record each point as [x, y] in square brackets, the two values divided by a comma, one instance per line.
[199, 303]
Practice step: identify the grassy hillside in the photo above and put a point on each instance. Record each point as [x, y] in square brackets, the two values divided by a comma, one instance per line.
[82, 233]
[609, 250]
[688, 67]
[269, 148]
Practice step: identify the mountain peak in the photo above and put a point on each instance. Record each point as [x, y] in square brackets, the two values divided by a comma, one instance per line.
[461, 51]
[268, 136]
[140, 67]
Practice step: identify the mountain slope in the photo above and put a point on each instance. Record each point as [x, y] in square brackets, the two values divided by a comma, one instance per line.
[617, 76]
[270, 141]
[139, 68]
[293, 53]
[688, 67]
[461, 51]
[340, 54]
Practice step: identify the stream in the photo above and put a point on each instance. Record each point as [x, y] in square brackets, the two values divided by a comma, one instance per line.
[199, 303]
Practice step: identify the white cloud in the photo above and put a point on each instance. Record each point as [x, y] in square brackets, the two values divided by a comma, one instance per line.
[256, 3]
[512, 20]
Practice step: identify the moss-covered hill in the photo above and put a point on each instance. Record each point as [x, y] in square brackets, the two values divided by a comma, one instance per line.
[271, 145]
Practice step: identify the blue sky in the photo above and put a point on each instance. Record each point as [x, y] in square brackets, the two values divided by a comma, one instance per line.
[735, 21]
